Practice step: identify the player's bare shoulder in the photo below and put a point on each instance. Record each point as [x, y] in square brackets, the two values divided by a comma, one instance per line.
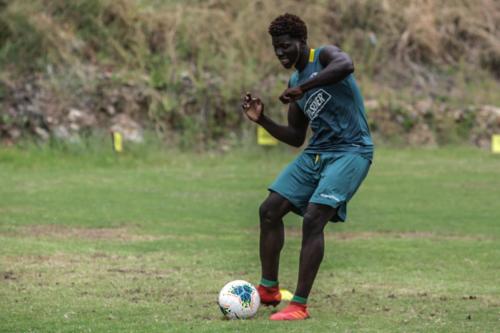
[333, 53]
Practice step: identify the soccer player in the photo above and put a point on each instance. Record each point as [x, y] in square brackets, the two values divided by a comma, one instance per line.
[322, 93]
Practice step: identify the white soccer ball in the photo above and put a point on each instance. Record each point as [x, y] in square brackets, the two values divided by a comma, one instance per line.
[239, 300]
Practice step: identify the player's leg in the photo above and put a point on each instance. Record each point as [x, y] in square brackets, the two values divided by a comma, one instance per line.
[272, 235]
[311, 255]
[341, 176]
[313, 246]
[290, 191]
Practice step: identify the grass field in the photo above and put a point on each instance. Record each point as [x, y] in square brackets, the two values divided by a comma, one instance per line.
[91, 242]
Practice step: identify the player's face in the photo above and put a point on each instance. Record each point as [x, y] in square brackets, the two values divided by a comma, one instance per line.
[287, 49]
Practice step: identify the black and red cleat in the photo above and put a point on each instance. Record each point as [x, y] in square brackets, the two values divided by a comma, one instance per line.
[269, 295]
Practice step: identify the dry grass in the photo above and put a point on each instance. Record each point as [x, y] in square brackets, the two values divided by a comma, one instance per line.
[199, 57]
[228, 36]
[417, 33]
[64, 232]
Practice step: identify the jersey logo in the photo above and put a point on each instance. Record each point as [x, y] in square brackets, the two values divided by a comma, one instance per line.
[316, 102]
[330, 196]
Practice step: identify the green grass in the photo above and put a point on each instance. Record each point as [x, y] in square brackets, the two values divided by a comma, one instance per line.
[92, 242]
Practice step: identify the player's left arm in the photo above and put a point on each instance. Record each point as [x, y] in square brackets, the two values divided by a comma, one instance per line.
[337, 65]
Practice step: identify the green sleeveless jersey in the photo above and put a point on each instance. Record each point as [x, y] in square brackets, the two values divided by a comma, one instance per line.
[336, 113]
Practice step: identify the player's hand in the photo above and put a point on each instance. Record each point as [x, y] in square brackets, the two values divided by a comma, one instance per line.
[253, 107]
[291, 94]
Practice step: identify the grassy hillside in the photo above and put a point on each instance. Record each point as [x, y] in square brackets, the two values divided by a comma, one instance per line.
[186, 63]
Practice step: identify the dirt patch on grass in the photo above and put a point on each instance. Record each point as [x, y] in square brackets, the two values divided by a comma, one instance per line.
[142, 271]
[65, 232]
[346, 236]
[404, 235]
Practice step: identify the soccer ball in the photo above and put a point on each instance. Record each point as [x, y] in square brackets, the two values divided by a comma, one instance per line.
[239, 300]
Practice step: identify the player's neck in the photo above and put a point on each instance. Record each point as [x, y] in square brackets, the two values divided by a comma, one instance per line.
[303, 58]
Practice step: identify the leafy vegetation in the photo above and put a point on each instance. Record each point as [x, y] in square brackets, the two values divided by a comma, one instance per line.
[193, 59]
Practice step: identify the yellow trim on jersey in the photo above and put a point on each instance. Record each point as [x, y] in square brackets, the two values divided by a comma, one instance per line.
[311, 55]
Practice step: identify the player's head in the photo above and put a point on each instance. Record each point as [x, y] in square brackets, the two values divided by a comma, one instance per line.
[289, 36]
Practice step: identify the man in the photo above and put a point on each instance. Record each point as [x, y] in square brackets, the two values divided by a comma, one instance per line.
[323, 94]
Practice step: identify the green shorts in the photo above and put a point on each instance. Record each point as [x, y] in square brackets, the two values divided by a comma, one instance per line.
[326, 178]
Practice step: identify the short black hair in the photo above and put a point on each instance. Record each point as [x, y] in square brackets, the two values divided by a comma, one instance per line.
[288, 24]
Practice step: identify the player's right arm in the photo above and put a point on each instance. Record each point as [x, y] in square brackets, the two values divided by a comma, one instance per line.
[294, 133]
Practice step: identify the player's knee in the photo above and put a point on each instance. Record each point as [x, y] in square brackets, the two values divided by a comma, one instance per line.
[265, 213]
[312, 224]
[268, 215]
